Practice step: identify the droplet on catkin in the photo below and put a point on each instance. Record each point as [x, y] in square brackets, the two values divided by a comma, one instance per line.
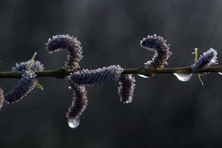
[74, 123]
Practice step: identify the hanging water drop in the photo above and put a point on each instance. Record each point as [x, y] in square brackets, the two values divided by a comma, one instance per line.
[129, 100]
[184, 77]
[74, 123]
[143, 76]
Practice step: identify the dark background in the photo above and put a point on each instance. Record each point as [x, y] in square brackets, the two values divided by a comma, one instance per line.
[164, 113]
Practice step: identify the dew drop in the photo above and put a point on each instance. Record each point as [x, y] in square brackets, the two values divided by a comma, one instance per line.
[183, 76]
[129, 100]
[143, 76]
[73, 123]
[220, 73]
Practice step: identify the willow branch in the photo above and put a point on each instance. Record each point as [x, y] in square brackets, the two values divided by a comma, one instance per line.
[62, 72]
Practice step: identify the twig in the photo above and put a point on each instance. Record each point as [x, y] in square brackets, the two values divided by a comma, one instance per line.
[62, 72]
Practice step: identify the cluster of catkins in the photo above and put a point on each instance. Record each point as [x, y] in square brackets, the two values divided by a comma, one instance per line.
[158, 45]
[79, 79]
[26, 84]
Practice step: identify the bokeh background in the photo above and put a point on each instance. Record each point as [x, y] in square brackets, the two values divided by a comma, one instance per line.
[164, 113]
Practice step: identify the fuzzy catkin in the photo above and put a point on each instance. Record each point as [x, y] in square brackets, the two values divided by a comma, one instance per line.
[1, 98]
[159, 46]
[36, 66]
[79, 101]
[126, 88]
[208, 59]
[96, 77]
[25, 85]
[68, 43]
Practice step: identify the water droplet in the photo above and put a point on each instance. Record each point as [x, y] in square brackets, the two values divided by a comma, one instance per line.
[129, 100]
[73, 123]
[184, 77]
[143, 76]
[220, 73]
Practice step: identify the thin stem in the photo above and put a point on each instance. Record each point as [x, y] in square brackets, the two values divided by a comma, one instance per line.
[62, 72]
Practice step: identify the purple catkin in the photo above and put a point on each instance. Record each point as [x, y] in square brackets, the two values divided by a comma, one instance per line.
[208, 59]
[79, 101]
[126, 88]
[68, 43]
[25, 85]
[96, 77]
[36, 66]
[1, 98]
[159, 46]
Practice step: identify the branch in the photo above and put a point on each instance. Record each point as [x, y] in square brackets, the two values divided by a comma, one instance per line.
[62, 72]
[29, 70]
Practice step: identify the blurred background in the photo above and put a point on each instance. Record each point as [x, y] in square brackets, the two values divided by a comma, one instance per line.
[164, 113]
